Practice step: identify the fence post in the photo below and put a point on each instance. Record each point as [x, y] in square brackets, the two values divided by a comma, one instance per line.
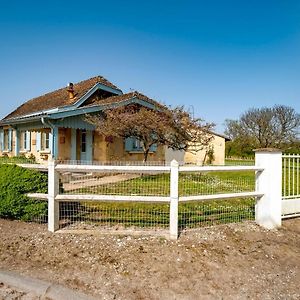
[174, 200]
[269, 182]
[53, 190]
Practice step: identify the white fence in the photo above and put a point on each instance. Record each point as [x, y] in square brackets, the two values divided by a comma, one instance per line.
[291, 185]
[267, 190]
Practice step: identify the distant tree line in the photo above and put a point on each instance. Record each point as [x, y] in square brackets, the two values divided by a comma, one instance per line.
[275, 127]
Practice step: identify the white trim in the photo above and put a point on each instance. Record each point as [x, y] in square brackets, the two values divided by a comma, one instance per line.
[63, 197]
[220, 196]
[220, 168]
[95, 168]
[96, 87]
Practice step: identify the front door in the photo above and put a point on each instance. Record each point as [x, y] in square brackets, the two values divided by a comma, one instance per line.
[83, 145]
[86, 145]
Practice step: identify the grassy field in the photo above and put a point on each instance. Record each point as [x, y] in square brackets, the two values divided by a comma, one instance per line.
[156, 215]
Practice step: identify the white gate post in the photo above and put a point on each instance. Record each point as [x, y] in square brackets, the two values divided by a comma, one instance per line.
[269, 182]
[174, 200]
[53, 190]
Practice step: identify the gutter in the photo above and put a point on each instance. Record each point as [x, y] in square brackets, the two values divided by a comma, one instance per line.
[47, 123]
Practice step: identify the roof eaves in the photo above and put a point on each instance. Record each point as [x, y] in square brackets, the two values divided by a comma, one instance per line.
[93, 89]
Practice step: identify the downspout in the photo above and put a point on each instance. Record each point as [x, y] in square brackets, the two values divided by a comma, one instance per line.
[47, 122]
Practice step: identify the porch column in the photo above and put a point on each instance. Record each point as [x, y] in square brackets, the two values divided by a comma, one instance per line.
[54, 148]
[73, 144]
[17, 142]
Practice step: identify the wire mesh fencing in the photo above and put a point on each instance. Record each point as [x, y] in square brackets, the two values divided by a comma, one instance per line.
[209, 183]
[239, 161]
[110, 215]
[116, 183]
[196, 214]
[36, 211]
[153, 215]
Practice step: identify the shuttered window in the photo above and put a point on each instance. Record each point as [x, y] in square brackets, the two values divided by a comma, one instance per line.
[25, 141]
[134, 145]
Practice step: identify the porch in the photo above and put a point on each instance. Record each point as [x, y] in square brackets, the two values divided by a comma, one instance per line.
[64, 139]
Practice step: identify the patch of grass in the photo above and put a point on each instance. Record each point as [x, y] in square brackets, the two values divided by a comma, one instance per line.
[21, 159]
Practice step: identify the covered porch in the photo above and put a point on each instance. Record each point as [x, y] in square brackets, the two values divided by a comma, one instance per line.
[64, 139]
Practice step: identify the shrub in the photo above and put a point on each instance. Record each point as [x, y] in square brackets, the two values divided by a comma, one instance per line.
[21, 159]
[15, 183]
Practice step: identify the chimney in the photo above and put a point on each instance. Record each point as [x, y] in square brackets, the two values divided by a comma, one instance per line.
[71, 90]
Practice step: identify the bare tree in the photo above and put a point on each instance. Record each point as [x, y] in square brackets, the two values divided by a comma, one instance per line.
[265, 127]
[163, 126]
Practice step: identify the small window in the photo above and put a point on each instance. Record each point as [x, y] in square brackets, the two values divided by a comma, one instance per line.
[137, 145]
[6, 140]
[25, 141]
[45, 141]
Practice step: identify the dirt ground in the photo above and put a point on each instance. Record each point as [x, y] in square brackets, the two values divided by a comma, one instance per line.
[9, 293]
[236, 261]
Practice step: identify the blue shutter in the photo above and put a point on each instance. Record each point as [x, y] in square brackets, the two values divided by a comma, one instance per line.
[38, 141]
[28, 140]
[129, 144]
[10, 138]
[153, 148]
[1, 140]
[51, 142]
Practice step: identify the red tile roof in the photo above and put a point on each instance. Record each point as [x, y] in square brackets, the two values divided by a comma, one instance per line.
[58, 98]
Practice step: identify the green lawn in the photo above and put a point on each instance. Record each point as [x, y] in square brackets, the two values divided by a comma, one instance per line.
[191, 214]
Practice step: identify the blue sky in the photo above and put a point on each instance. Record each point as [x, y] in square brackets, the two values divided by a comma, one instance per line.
[219, 57]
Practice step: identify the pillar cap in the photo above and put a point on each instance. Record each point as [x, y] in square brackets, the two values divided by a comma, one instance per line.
[269, 150]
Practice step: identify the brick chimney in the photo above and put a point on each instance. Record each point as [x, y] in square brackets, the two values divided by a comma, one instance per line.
[71, 91]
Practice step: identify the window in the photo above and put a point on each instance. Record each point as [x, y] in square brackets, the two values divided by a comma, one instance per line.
[137, 145]
[25, 141]
[6, 140]
[45, 141]
[134, 145]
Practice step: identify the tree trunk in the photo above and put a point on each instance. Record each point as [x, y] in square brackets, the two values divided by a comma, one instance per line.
[146, 152]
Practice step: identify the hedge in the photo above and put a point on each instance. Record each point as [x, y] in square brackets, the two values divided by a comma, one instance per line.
[15, 183]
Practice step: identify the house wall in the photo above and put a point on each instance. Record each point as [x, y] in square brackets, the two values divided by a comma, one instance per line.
[64, 144]
[102, 150]
[197, 157]
[173, 154]
[116, 152]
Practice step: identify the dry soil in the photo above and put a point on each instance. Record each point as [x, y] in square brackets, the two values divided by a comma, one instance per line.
[236, 261]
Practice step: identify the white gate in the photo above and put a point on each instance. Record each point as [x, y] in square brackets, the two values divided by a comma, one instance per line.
[290, 185]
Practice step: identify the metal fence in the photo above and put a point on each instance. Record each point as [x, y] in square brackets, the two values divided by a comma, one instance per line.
[290, 185]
